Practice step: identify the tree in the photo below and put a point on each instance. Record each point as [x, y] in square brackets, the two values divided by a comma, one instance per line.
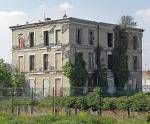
[100, 74]
[77, 74]
[120, 62]
[119, 57]
[17, 80]
[5, 74]
[127, 21]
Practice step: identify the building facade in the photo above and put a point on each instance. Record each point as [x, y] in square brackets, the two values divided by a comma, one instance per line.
[146, 81]
[41, 49]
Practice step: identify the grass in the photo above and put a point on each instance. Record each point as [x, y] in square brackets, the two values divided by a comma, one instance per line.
[82, 118]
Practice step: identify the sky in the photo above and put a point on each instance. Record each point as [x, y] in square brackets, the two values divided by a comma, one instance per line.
[13, 12]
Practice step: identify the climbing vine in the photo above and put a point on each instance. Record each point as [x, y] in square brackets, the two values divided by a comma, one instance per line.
[119, 57]
[76, 73]
[100, 74]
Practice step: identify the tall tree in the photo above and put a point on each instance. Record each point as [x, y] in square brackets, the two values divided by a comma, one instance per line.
[127, 21]
[5, 74]
[119, 57]
[17, 79]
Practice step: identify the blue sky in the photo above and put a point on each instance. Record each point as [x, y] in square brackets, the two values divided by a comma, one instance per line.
[13, 12]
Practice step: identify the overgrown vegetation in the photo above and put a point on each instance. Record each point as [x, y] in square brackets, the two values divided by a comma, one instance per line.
[138, 102]
[5, 74]
[119, 58]
[49, 119]
[76, 73]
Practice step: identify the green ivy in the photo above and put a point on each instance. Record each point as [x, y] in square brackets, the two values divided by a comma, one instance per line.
[119, 57]
[77, 74]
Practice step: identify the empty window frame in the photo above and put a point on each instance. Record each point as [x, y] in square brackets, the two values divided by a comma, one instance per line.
[135, 42]
[91, 61]
[110, 62]
[135, 63]
[32, 62]
[79, 35]
[58, 36]
[31, 39]
[45, 61]
[46, 38]
[110, 39]
[91, 37]
[21, 63]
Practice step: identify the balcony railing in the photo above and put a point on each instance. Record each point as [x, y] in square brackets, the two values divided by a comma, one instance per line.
[16, 47]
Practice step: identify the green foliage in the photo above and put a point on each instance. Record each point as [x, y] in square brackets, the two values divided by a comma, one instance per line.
[5, 74]
[109, 104]
[93, 99]
[127, 21]
[17, 79]
[99, 76]
[76, 73]
[140, 102]
[119, 58]
[50, 119]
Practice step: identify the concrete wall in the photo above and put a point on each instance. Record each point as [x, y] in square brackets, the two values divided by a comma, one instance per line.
[69, 46]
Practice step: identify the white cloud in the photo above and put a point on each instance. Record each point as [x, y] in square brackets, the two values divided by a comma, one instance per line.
[65, 7]
[143, 15]
[8, 19]
[11, 18]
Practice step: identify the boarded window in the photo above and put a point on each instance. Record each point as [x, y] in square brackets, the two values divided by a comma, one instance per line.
[135, 42]
[32, 61]
[110, 39]
[78, 35]
[91, 37]
[135, 63]
[58, 86]
[46, 88]
[109, 61]
[21, 63]
[45, 61]
[46, 38]
[58, 61]
[31, 38]
[58, 36]
[91, 61]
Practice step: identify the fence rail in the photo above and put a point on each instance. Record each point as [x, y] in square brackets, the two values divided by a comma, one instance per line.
[56, 100]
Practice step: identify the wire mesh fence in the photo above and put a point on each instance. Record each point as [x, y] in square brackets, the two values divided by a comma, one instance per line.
[72, 101]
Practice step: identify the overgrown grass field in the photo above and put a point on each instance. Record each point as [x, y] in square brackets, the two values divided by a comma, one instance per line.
[82, 118]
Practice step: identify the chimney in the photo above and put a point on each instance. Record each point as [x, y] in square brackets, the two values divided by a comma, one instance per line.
[65, 16]
[27, 23]
[47, 19]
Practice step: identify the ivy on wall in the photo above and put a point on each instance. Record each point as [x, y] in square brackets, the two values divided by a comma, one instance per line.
[76, 73]
[100, 74]
[119, 57]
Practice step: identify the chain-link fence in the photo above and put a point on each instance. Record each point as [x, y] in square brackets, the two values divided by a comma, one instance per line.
[92, 100]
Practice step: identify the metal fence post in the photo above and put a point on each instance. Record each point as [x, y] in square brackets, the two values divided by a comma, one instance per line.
[100, 110]
[128, 104]
[12, 109]
[53, 101]
[32, 102]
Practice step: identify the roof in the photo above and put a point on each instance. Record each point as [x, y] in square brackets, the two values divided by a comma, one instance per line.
[147, 73]
[69, 19]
